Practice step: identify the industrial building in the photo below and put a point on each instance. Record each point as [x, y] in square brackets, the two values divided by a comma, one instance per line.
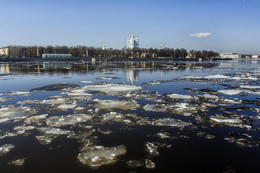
[48, 55]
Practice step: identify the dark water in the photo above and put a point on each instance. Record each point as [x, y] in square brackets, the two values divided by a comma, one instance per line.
[230, 136]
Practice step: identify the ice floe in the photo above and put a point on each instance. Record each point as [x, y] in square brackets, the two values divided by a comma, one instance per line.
[170, 122]
[113, 89]
[242, 140]
[117, 104]
[230, 92]
[58, 121]
[179, 96]
[101, 156]
[6, 148]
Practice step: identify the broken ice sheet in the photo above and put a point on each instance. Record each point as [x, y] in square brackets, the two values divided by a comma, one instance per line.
[186, 109]
[179, 96]
[232, 121]
[14, 113]
[112, 89]
[170, 122]
[6, 148]
[149, 164]
[17, 162]
[230, 92]
[218, 76]
[242, 140]
[15, 93]
[135, 163]
[49, 134]
[67, 106]
[101, 156]
[155, 107]
[117, 104]
[58, 121]
[152, 149]
[3, 99]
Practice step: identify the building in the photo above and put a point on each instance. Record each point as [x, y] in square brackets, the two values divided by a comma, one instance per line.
[4, 51]
[256, 56]
[48, 55]
[231, 55]
[148, 55]
[132, 42]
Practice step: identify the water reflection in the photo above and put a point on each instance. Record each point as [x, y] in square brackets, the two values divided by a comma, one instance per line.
[85, 67]
[132, 75]
[4, 68]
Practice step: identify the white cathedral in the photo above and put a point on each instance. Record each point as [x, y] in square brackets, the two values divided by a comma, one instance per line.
[132, 42]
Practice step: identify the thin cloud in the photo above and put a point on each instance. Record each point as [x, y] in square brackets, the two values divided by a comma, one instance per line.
[202, 34]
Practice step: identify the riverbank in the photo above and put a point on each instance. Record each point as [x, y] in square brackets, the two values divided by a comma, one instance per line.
[104, 59]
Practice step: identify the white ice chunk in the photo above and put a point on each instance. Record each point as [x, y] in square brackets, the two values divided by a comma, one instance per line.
[102, 156]
[179, 96]
[6, 148]
[230, 92]
[218, 76]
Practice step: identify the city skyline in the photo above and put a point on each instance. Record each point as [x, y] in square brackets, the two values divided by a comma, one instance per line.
[222, 26]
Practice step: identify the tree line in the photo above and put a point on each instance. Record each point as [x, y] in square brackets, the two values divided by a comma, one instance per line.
[91, 52]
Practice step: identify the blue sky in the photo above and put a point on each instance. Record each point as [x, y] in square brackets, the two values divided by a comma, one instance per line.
[219, 25]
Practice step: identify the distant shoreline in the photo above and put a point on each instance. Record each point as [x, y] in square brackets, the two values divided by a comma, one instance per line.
[104, 59]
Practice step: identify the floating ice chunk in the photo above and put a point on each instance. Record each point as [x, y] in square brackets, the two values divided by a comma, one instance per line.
[49, 134]
[53, 131]
[186, 109]
[242, 140]
[249, 87]
[15, 93]
[154, 83]
[171, 123]
[78, 92]
[135, 163]
[179, 96]
[218, 76]
[58, 121]
[226, 120]
[102, 156]
[231, 101]
[6, 148]
[230, 92]
[210, 96]
[152, 149]
[149, 164]
[3, 99]
[113, 89]
[86, 81]
[35, 118]
[18, 162]
[24, 128]
[163, 135]
[14, 113]
[117, 104]
[206, 135]
[67, 106]
[53, 101]
[8, 134]
[155, 107]
[46, 139]
[82, 134]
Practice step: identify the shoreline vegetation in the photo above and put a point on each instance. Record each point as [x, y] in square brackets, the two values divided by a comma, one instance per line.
[106, 53]
[105, 59]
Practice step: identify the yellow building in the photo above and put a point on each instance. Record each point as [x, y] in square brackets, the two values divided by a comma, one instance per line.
[4, 51]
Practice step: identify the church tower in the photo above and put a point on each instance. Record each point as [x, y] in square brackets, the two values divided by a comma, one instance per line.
[132, 42]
